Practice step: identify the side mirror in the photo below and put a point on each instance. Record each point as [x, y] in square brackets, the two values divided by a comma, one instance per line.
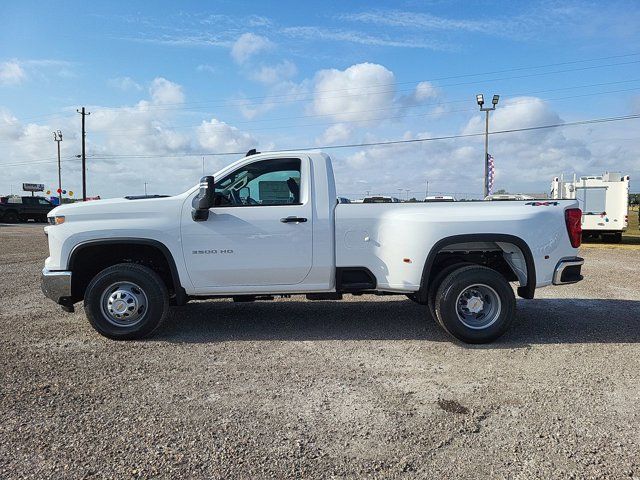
[204, 200]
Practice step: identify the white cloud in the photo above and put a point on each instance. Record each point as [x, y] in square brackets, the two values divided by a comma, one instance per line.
[248, 45]
[163, 91]
[525, 161]
[116, 137]
[517, 112]
[204, 67]
[425, 91]
[217, 136]
[312, 33]
[395, 18]
[124, 84]
[354, 93]
[10, 127]
[270, 74]
[280, 94]
[334, 134]
[11, 73]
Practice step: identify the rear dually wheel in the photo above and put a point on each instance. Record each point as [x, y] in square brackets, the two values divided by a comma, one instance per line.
[475, 304]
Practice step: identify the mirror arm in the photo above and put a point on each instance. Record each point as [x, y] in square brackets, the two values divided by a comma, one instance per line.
[200, 215]
[204, 200]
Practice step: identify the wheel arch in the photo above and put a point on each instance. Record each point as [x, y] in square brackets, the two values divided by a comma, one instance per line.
[121, 244]
[524, 291]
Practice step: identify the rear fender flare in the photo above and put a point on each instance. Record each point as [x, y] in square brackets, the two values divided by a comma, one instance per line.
[524, 291]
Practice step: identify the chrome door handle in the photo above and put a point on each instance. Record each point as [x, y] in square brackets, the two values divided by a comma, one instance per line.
[293, 220]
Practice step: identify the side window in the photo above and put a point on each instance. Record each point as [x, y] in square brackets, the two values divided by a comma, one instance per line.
[42, 201]
[29, 201]
[269, 182]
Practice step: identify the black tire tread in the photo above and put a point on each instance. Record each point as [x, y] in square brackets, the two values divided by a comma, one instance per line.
[451, 280]
[435, 285]
[161, 297]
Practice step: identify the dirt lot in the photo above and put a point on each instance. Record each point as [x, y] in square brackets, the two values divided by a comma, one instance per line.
[292, 388]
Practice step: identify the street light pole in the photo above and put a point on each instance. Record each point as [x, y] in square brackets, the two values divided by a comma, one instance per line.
[494, 102]
[57, 137]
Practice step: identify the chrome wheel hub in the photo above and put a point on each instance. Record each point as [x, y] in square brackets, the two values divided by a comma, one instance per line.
[475, 304]
[478, 306]
[124, 304]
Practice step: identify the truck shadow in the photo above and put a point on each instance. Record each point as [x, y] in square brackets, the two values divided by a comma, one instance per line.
[542, 321]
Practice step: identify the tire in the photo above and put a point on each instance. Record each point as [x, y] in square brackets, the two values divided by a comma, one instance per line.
[10, 217]
[435, 284]
[467, 289]
[433, 288]
[613, 238]
[126, 302]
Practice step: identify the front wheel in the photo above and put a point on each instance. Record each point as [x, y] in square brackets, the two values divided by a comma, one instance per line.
[475, 304]
[126, 301]
[11, 217]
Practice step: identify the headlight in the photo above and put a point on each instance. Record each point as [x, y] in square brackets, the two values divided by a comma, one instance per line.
[57, 220]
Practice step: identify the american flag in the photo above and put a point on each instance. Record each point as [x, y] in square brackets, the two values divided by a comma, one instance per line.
[492, 174]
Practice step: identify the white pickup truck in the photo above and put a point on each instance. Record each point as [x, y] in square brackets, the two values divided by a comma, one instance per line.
[270, 225]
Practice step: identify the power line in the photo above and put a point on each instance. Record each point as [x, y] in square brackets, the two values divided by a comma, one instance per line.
[420, 81]
[466, 75]
[435, 79]
[591, 121]
[396, 142]
[311, 96]
[400, 107]
[395, 107]
[365, 120]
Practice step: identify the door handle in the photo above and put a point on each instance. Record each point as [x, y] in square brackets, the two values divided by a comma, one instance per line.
[293, 220]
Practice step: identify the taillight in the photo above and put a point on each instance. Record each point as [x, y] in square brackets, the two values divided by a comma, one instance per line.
[573, 219]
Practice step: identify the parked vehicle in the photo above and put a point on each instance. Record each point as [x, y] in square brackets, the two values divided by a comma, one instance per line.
[603, 200]
[439, 198]
[270, 225]
[508, 196]
[381, 200]
[14, 208]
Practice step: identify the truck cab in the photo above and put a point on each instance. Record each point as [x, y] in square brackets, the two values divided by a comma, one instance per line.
[269, 224]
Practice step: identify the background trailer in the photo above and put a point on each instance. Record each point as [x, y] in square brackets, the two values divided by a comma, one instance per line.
[603, 200]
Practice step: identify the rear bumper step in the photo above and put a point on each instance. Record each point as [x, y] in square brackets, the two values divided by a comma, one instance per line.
[568, 271]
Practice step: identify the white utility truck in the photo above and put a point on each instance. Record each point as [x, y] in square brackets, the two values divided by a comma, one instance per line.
[270, 225]
[603, 200]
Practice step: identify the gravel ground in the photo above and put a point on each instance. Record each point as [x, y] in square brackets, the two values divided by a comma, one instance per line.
[291, 388]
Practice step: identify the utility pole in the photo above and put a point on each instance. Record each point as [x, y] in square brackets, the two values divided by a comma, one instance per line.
[145, 189]
[84, 155]
[494, 102]
[427, 193]
[57, 137]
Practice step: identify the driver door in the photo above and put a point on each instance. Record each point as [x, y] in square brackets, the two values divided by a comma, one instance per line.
[250, 237]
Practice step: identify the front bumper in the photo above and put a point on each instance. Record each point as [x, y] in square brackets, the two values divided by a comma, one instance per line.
[56, 285]
[568, 271]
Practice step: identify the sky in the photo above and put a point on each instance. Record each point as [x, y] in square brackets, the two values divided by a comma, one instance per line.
[176, 89]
